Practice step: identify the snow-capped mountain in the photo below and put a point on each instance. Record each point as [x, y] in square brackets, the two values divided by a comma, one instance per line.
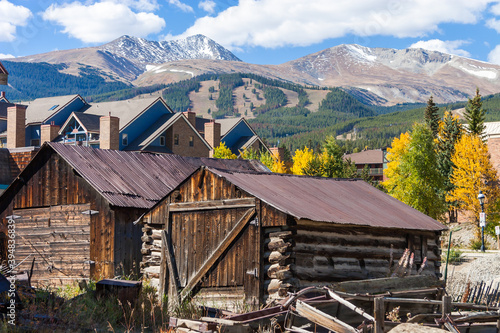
[377, 75]
[127, 57]
[142, 51]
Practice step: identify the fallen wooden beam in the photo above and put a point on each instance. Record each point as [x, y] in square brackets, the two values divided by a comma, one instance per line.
[350, 305]
[320, 318]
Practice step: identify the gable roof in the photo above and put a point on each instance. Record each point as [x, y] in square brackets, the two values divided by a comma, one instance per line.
[41, 109]
[227, 125]
[126, 110]
[342, 201]
[158, 128]
[90, 122]
[132, 179]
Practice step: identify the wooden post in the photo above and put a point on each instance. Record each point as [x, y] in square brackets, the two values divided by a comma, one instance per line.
[445, 307]
[379, 314]
[498, 242]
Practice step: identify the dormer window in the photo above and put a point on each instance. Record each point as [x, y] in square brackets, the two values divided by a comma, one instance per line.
[124, 139]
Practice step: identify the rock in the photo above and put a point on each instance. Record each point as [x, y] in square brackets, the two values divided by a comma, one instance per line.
[415, 328]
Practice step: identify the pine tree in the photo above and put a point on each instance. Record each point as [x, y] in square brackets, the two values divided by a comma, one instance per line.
[475, 115]
[431, 116]
[450, 132]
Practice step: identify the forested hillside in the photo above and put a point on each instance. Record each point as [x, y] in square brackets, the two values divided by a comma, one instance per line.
[36, 80]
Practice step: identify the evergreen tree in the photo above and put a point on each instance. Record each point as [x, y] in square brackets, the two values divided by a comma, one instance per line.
[431, 116]
[450, 132]
[475, 115]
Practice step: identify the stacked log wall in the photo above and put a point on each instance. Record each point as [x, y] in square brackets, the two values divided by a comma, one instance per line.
[331, 253]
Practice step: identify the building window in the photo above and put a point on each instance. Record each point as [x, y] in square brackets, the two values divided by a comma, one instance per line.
[176, 139]
[191, 141]
[125, 139]
[162, 140]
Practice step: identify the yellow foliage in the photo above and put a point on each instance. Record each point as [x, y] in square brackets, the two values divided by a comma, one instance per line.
[398, 149]
[472, 172]
[224, 152]
[278, 166]
[300, 160]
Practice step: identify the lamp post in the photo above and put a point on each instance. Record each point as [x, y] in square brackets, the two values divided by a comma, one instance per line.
[482, 218]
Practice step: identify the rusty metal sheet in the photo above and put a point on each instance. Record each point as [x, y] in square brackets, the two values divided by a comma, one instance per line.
[342, 201]
[132, 179]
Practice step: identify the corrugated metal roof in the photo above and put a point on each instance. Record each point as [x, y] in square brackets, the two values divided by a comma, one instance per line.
[343, 201]
[131, 179]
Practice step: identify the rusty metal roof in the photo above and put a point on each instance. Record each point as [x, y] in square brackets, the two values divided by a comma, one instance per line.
[131, 179]
[342, 201]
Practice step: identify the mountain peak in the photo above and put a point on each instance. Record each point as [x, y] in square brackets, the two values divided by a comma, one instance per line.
[142, 52]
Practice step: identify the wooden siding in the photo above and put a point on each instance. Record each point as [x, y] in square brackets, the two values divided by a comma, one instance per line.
[199, 217]
[52, 182]
[58, 238]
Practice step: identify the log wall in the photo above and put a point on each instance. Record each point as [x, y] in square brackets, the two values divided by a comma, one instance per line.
[325, 253]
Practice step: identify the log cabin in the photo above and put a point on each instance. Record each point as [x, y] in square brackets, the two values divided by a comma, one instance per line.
[73, 208]
[227, 236]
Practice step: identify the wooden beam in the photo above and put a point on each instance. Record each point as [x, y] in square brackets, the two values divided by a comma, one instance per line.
[350, 305]
[212, 204]
[320, 318]
[223, 246]
[379, 314]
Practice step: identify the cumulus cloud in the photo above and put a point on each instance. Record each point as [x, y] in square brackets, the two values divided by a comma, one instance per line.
[276, 23]
[494, 55]
[496, 9]
[141, 5]
[6, 56]
[11, 17]
[207, 5]
[182, 6]
[493, 24]
[102, 21]
[445, 46]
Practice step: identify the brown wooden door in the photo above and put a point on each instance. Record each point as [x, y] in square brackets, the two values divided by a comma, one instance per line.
[218, 248]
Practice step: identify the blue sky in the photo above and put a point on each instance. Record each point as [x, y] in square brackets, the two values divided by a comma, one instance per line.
[257, 31]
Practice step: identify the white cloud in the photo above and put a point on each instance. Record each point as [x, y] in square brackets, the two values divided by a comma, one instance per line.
[141, 5]
[493, 24]
[182, 6]
[445, 46]
[102, 21]
[275, 23]
[11, 17]
[6, 56]
[207, 5]
[496, 9]
[494, 55]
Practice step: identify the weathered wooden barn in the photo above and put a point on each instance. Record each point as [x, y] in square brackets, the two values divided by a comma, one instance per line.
[74, 208]
[229, 236]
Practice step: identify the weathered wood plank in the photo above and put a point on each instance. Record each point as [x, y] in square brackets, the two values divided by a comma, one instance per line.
[235, 231]
[320, 318]
[212, 204]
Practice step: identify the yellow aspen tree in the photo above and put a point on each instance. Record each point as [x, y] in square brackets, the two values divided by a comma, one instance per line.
[472, 172]
[301, 159]
[398, 149]
[224, 152]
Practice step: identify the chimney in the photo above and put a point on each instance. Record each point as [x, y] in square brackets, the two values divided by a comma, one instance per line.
[2, 95]
[48, 132]
[191, 116]
[16, 127]
[212, 135]
[109, 132]
[278, 152]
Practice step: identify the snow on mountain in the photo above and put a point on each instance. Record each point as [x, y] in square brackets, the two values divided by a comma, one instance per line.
[142, 51]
